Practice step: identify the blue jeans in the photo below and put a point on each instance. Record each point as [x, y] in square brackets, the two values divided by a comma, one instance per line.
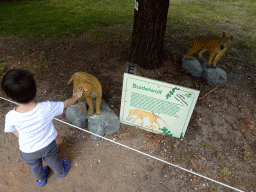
[49, 155]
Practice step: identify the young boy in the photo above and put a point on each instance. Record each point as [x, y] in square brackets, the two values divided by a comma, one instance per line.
[32, 123]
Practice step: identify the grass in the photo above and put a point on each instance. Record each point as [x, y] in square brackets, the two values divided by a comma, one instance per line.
[210, 139]
[205, 169]
[4, 105]
[24, 50]
[211, 184]
[191, 18]
[2, 66]
[212, 12]
[220, 155]
[106, 34]
[248, 153]
[207, 145]
[225, 170]
[53, 17]
[187, 18]
[186, 157]
[41, 65]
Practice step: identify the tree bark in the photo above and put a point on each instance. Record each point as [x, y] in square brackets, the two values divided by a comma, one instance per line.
[149, 27]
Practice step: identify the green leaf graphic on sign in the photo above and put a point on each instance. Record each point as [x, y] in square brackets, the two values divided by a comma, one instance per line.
[166, 132]
[171, 93]
[188, 95]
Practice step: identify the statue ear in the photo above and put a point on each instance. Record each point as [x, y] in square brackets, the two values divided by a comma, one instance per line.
[223, 38]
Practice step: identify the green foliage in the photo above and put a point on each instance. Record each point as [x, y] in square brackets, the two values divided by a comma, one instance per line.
[248, 153]
[4, 105]
[211, 184]
[225, 170]
[186, 157]
[210, 139]
[28, 67]
[2, 66]
[220, 155]
[207, 145]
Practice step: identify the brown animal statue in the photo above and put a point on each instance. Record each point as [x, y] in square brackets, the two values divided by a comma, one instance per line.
[216, 46]
[92, 89]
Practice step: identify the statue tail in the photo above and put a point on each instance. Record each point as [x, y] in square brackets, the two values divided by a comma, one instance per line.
[71, 79]
[184, 44]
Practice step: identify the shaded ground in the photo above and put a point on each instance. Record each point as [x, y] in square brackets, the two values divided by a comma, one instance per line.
[219, 142]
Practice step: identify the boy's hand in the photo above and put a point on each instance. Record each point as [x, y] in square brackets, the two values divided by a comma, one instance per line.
[78, 93]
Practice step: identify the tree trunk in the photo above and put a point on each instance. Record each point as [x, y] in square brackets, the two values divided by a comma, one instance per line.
[148, 33]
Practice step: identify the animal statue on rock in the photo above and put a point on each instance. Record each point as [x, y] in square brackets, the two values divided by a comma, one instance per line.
[92, 89]
[216, 46]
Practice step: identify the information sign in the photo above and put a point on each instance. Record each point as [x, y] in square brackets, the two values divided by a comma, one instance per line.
[156, 106]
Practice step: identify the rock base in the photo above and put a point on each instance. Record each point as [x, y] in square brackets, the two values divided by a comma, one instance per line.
[212, 76]
[104, 124]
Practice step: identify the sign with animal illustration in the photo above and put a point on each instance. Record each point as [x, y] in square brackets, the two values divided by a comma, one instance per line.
[156, 106]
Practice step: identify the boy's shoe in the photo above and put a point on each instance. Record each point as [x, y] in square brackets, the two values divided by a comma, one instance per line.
[44, 181]
[66, 164]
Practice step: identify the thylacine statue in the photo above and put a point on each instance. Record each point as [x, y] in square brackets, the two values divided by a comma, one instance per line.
[216, 46]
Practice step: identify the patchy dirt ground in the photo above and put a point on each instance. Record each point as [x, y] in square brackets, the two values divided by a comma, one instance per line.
[219, 142]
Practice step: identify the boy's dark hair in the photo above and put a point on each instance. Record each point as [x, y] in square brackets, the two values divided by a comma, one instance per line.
[19, 85]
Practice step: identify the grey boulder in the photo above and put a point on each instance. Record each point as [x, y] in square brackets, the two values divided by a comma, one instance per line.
[77, 114]
[212, 76]
[104, 124]
[192, 66]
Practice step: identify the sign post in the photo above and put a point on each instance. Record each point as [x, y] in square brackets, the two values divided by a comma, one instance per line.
[156, 106]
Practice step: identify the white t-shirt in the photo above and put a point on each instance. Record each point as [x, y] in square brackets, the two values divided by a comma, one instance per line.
[35, 127]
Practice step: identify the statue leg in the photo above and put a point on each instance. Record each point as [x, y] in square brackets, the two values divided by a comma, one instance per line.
[90, 104]
[218, 57]
[194, 49]
[201, 52]
[211, 55]
[98, 103]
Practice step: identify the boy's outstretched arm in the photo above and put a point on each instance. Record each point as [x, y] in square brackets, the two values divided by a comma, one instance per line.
[76, 95]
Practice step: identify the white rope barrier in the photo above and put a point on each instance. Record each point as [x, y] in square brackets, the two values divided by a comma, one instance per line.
[163, 161]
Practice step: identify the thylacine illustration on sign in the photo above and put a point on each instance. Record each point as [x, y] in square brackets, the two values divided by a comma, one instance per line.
[142, 114]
